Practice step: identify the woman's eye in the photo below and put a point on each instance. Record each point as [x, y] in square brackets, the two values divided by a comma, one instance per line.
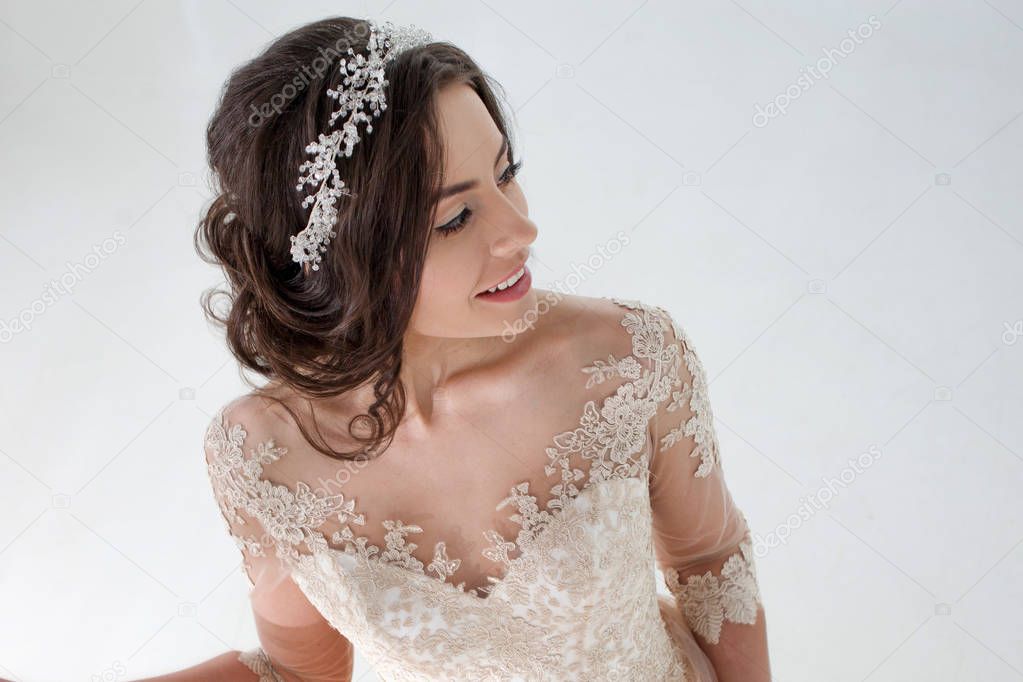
[457, 224]
[462, 218]
[511, 172]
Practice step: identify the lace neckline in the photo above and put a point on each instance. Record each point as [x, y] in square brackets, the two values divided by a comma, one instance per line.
[613, 439]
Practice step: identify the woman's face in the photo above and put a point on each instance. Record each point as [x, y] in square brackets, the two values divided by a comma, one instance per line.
[481, 231]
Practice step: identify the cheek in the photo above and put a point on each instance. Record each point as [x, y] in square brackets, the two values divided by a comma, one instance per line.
[448, 281]
[441, 304]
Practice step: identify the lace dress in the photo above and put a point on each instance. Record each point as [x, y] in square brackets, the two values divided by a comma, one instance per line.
[570, 588]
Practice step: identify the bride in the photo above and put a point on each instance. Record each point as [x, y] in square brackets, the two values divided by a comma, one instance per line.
[455, 473]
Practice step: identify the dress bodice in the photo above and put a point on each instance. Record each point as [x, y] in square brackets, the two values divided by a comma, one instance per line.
[574, 593]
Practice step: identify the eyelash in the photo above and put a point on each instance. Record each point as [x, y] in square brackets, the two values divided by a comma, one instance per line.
[462, 218]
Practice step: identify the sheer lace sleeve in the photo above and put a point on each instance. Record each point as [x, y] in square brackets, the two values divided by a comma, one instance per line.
[296, 642]
[701, 538]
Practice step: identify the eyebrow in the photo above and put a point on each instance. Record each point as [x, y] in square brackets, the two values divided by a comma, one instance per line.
[469, 184]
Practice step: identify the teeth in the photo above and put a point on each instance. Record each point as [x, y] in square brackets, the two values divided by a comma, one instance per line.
[508, 282]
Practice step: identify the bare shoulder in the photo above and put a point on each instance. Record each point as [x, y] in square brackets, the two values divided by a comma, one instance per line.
[242, 427]
[588, 328]
[255, 413]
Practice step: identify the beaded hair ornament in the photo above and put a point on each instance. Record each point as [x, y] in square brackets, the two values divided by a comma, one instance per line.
[363, 83]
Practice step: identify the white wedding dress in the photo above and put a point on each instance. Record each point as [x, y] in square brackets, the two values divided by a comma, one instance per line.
[561, 580]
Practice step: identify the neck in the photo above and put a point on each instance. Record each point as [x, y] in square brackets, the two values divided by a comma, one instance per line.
[435, 368]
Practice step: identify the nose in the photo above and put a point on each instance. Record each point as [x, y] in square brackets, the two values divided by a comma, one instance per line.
[512, 237]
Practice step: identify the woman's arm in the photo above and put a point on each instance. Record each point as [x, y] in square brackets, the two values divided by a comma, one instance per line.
[296, 642]
[223, 668]
[739, 650]
[311, 653]
[701, 539]
[255, 665]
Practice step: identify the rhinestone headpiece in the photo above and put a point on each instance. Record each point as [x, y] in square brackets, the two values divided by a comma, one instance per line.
[363, 83]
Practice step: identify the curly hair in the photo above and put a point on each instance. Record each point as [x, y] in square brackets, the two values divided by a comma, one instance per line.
[323, 333]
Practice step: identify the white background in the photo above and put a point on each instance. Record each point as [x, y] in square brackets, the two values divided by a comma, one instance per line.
[850, 273]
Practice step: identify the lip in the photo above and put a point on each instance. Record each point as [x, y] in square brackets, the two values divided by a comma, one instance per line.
[517, 268]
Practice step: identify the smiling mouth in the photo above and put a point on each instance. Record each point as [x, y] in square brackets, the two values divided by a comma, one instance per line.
[507, 282]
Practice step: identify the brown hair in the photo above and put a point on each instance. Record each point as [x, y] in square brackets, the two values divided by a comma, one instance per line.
[324, 332]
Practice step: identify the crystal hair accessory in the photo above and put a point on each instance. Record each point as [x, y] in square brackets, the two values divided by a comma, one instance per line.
[363, 83]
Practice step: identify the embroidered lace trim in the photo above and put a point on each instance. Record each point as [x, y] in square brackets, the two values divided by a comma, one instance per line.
[258, 662]
[707, 601]
[610, 438]
[701, 424]
[613, 438]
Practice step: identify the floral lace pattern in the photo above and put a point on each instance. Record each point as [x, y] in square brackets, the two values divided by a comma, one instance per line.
[580, 604]
[701, 425]
[578, 596]
[707, 600]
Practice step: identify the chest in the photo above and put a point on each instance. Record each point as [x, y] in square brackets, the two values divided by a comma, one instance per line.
[585, 584]
[463, 503]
